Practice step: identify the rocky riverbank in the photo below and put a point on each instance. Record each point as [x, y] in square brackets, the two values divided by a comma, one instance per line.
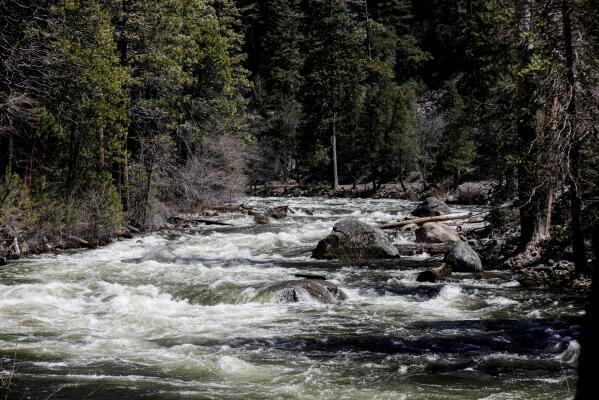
[478, 192]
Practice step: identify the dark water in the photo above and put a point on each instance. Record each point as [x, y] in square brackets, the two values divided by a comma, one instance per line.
[183, 315]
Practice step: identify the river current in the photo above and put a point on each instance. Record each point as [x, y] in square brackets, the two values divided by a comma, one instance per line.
[186, 314]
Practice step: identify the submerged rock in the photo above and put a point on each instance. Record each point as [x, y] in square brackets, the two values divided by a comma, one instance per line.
[462, 258]
[434, 275]
[431, 207]
[434, 232]
[353, 239]
[278, 212]
[306, 290]
[260, 218]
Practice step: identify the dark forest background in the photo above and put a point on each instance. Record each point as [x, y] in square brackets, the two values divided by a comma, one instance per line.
[125, 112]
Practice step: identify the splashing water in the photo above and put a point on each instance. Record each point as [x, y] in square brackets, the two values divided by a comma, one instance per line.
[188, 314]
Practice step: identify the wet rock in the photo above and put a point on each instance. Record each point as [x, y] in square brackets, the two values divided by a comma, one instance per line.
[462, 258]
[557, 275]
[260, 218]
[2, 261]
[278, 212]
[308, 290]
[434, 232]
[13, 251]
[431, 207]
[353, 239]
[434, 275]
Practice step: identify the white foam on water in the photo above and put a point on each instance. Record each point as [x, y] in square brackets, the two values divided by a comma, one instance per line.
[571, 353]
[500, 301]
[145, 302]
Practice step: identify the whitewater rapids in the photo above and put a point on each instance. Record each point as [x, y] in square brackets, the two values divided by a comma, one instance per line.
[183, 315]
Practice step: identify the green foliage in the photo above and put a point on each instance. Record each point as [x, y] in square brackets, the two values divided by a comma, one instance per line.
[333, 71]
[456, 150]
[16, 205]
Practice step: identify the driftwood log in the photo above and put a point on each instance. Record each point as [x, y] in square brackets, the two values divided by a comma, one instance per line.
[423, 220]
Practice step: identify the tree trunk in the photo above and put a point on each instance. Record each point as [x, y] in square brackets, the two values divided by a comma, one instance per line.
[400, 177]
[374, 176]
[147, 195]
[575, 199]
[335, 184]
[125, 177]
[29, 165]
[123, 47]
[367, 29]
[101, 160]
[532, 192]
[424, 220]
[423, 173]
[11, 155]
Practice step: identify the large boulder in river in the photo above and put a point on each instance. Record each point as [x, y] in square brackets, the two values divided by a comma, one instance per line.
[353, 239]
[306, 290]
[434, 232]
[462, 258]
[431, 207]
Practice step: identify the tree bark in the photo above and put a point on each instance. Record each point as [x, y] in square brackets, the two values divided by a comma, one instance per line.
[125, 177]
[335, 184]
[101, 160]
[123, 47]
[367, 29]
[29, 165]
[575, 199]
[11, 154]
[532, 191]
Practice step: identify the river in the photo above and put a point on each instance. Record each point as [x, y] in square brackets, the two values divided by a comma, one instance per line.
[184, 315]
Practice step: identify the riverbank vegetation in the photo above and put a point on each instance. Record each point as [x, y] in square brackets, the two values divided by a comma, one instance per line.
[124, 113]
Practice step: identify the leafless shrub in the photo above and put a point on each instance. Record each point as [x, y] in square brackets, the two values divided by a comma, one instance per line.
[100, 213]
[473, 193]
[442, 190]
[211, 176]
